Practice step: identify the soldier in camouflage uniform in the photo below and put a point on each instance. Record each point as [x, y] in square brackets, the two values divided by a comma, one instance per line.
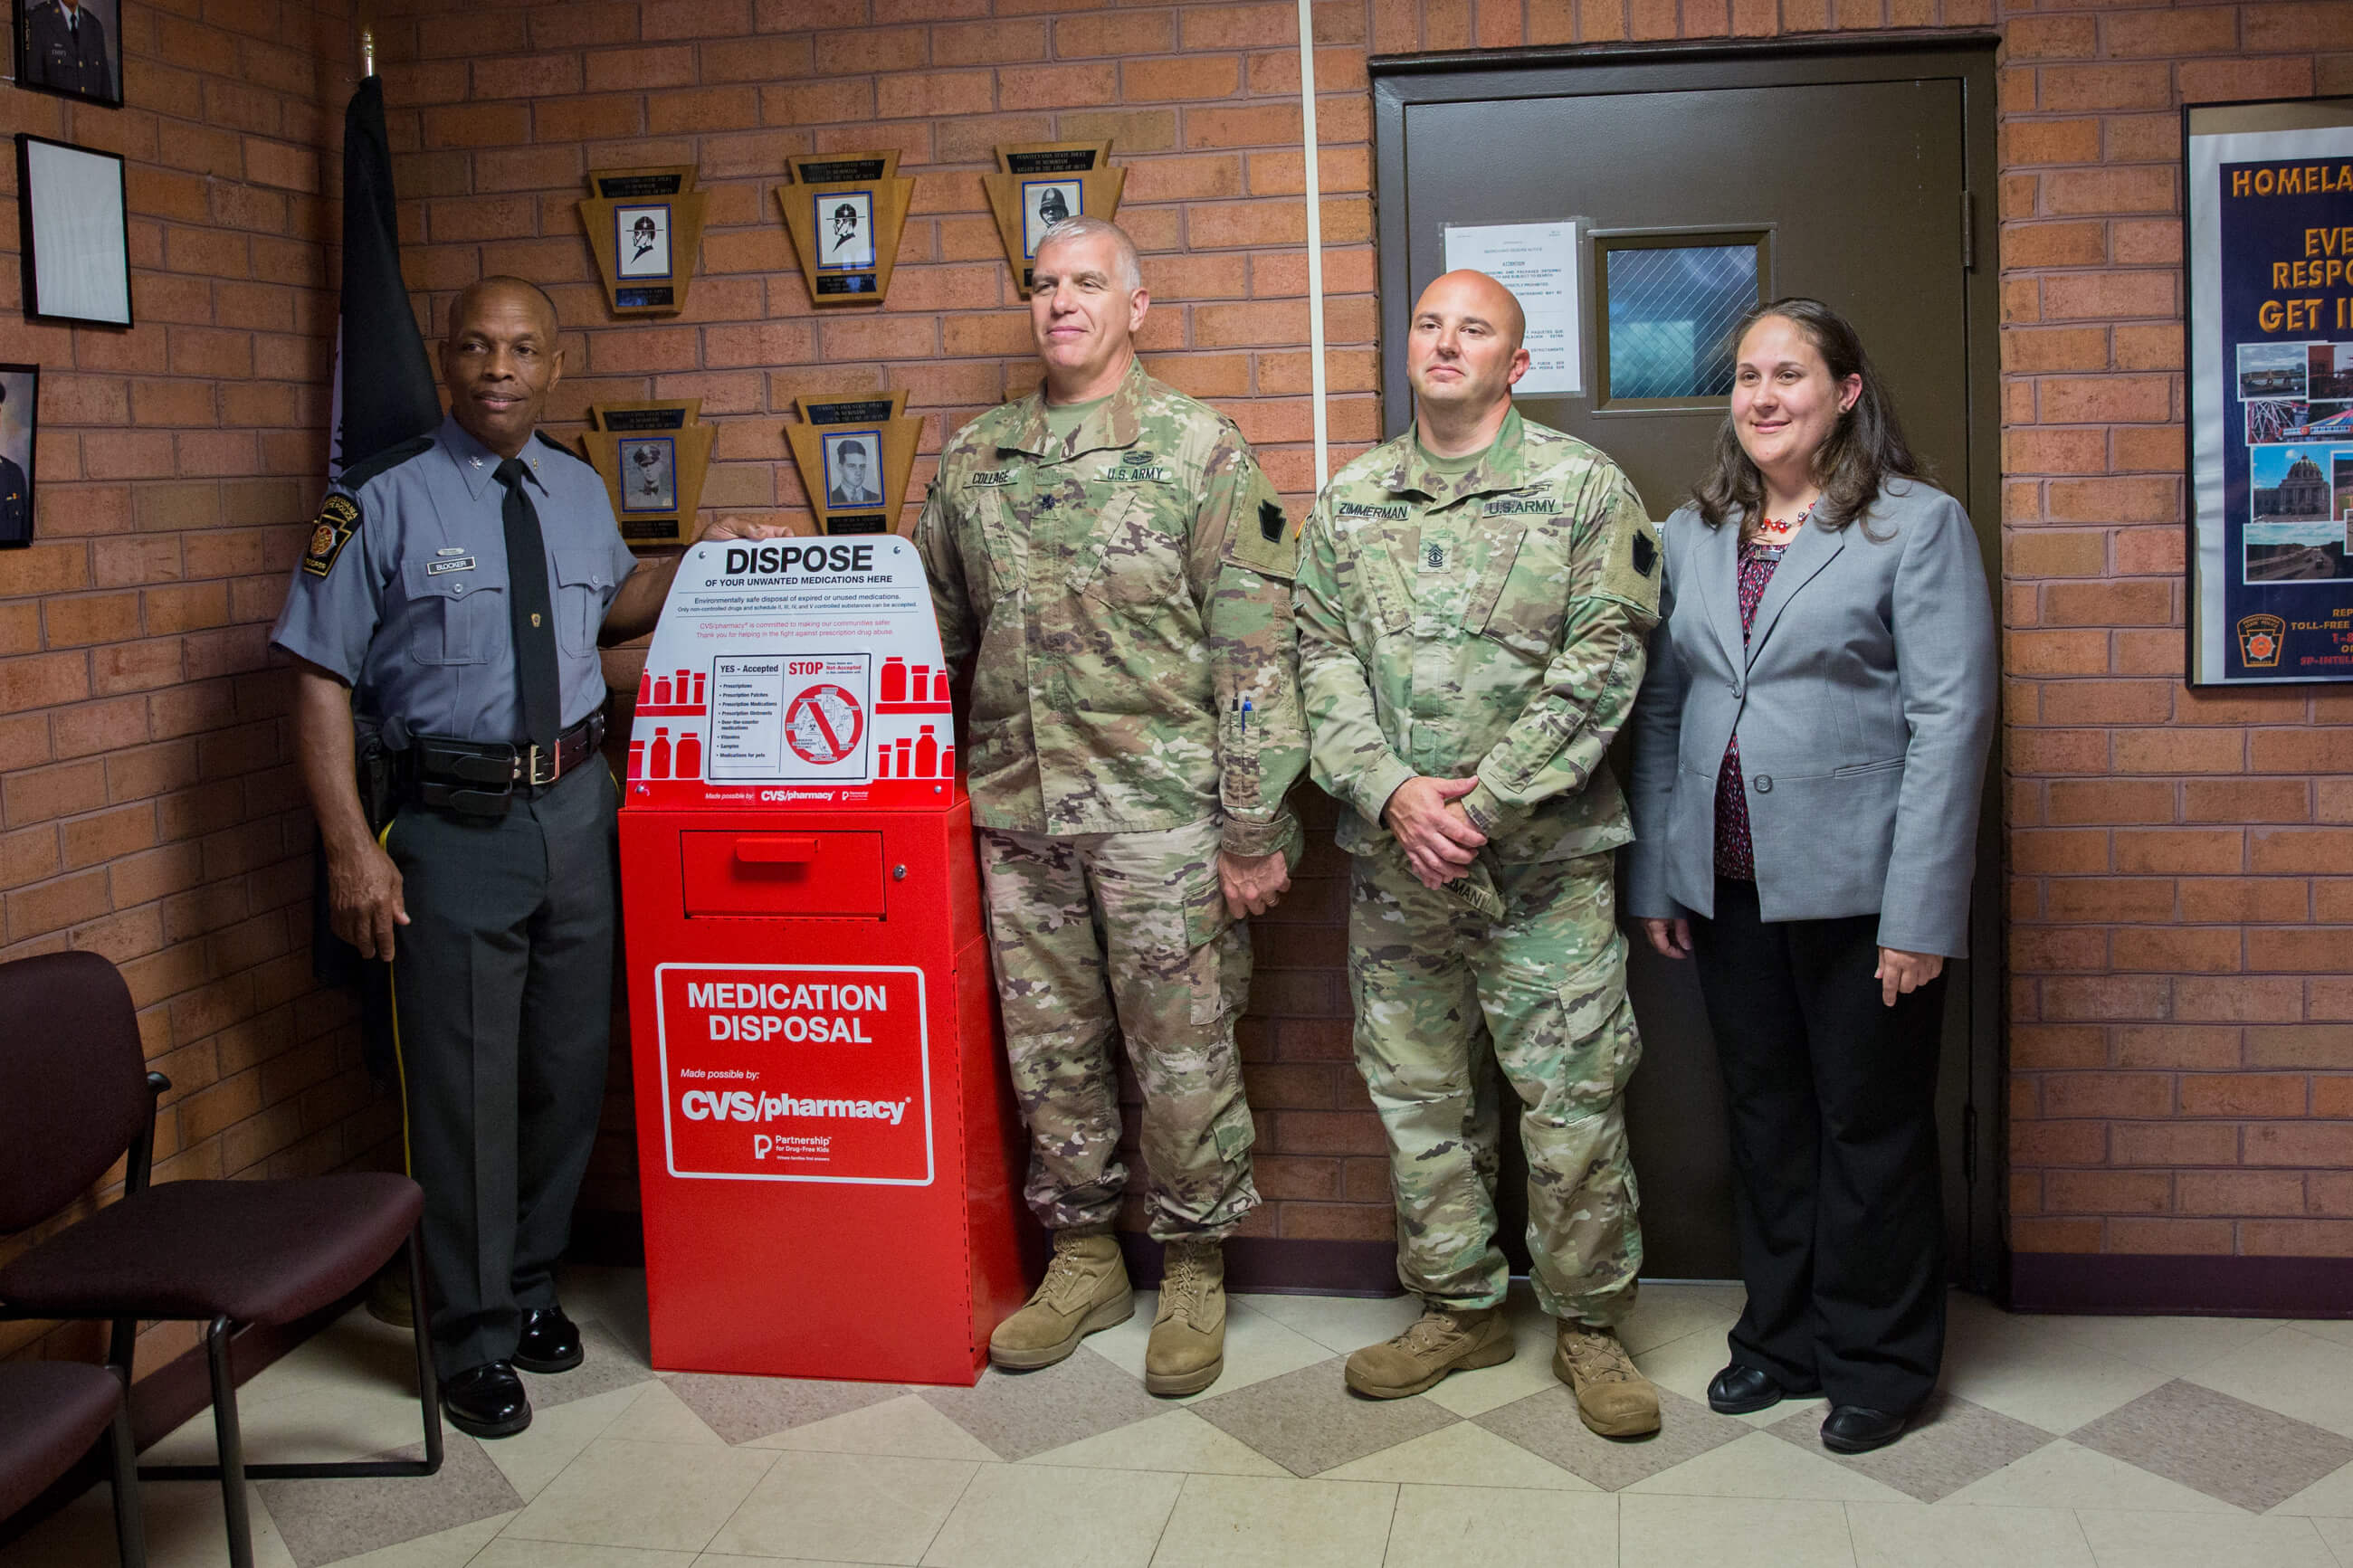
[1110, 548]
[1472, 600]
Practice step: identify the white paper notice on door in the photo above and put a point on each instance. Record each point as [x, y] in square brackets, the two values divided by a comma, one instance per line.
[1537, 262]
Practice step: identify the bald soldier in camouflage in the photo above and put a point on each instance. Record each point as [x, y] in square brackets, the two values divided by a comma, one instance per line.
[1472, 599]
[1110, 548]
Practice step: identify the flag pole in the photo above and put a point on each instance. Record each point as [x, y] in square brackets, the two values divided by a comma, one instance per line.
[367, 52]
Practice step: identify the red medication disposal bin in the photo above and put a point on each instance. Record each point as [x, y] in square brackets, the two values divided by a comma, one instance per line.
[829, 1156]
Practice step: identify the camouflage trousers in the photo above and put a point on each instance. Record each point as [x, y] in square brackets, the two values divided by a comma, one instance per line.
[1098, 934]
[1445, 997]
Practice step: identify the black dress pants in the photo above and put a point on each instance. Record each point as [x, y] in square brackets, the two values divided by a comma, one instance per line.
[1832, 1096]
[502, 987]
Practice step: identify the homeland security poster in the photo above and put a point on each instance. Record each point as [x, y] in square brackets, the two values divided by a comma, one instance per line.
[2271, 328]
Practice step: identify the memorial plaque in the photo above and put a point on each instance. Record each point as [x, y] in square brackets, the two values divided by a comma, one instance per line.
[855, 454]
[845, 212]
[645, 226]
[1040, 184]
[653, 456]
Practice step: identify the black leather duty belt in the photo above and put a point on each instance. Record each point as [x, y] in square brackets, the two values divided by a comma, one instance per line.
[480, 778]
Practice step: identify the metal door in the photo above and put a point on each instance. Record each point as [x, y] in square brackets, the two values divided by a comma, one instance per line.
[1701, 181]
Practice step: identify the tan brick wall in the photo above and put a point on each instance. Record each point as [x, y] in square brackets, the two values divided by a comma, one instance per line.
[2180, 1032]
[2178, 873]
[149, 808]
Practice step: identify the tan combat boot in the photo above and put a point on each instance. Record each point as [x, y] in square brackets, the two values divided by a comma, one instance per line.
[1188, 1333]
[1612, 1395]
[1085, 1289]
[1443, 1340]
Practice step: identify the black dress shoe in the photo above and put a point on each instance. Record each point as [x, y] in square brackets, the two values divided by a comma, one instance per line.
[550, 1343]
[486, 1401]
[1858, 1430]
[1737, 1389]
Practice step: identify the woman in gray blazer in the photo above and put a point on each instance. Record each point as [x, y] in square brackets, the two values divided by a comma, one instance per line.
[1810, 746]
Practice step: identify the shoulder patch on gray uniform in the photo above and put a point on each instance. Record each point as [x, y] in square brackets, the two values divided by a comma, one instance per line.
[339, 519]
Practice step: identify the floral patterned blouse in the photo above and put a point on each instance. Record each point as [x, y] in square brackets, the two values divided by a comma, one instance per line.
[1736, 853]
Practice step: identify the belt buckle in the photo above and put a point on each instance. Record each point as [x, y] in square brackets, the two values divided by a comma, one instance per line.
[530, 760]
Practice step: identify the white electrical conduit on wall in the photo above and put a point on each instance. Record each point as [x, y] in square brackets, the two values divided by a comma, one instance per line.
[1315, 231]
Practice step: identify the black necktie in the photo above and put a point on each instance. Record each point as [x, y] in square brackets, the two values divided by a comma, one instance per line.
[532, 616]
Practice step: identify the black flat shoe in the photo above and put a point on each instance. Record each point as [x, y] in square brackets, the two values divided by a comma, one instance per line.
[1737, 1389]
[1857, 1429]
[550, 1343]
[486, 1401]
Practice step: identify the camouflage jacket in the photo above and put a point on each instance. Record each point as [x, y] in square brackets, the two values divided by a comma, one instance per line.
[1489, 621]
[1128, 589]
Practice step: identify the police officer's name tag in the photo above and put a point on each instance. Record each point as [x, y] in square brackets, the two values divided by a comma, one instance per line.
[435, 568]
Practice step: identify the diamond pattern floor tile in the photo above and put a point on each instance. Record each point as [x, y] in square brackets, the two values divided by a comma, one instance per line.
[742, 1408]
[1308, 1421]
[607, 1364]
[1951, 1444]
[327, 1520]
[1547, 1425]
[2219, 1445]
[1018, 1413]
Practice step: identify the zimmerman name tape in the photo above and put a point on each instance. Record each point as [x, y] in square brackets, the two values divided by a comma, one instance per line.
[795, 1073]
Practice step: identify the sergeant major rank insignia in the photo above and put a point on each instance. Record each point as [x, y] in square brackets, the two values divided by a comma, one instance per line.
[339, 519]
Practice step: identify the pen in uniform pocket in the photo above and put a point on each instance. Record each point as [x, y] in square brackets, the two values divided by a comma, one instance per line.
[1246, 713]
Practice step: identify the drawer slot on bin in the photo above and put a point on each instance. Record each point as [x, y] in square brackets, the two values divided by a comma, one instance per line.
[782, 873]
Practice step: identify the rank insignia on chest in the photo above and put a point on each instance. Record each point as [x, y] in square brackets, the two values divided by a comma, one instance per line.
[339, 519]
[1433, 557]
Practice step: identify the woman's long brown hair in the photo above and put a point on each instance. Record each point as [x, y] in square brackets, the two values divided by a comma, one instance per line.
[1865, 450]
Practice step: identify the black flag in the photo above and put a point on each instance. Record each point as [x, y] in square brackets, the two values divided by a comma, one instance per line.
[384, 383]
[383, 395]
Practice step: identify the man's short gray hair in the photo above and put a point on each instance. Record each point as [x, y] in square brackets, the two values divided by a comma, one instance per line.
[1131, 271]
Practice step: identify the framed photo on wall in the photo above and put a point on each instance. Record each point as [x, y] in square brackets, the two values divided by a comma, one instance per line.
[76, 246]
[20, 403]
[70, 47]
[641, 240]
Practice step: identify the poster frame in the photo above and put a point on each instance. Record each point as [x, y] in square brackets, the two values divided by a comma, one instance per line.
[2211, 399]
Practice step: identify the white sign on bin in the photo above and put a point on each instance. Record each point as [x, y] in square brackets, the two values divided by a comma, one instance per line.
[804, 670]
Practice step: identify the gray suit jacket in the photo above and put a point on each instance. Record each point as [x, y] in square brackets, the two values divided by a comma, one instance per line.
[1865, 702]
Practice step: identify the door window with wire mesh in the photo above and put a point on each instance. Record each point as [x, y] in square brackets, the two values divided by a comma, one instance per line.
[1668, 306]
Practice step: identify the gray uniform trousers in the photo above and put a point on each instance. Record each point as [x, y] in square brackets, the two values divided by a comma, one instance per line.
[503, 993]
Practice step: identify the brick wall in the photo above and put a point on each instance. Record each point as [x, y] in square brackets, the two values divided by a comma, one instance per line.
[149, 808]
[2177, 859]
[2181, 897]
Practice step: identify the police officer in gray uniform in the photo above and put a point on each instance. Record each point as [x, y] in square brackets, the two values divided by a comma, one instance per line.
[454, 591]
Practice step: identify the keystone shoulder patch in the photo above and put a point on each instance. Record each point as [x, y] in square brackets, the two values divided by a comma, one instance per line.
[1269, 522]
[1646, 554]
[339, 519]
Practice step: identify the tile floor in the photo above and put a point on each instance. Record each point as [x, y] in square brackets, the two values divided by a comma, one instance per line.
[2090, 1442]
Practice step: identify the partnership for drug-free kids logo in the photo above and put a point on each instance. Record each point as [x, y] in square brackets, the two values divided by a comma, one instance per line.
[787, 1072]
